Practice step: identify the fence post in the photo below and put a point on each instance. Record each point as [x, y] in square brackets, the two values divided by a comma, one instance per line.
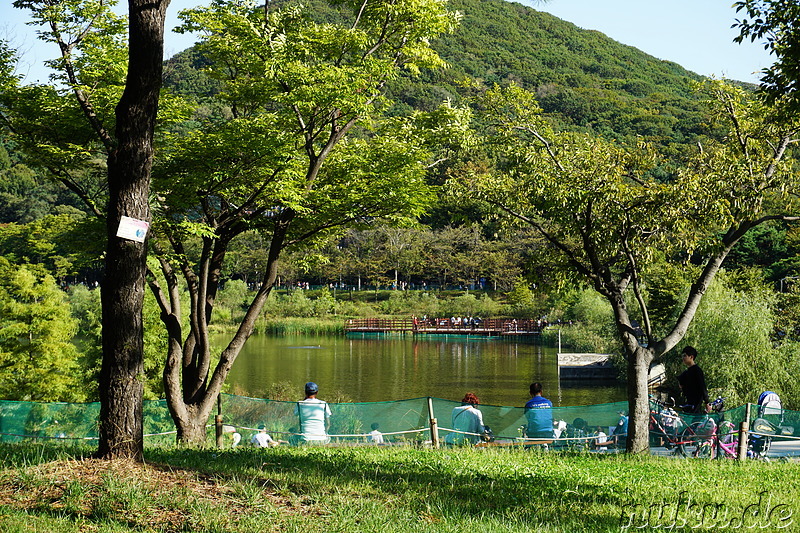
[744, 428]
[434, 424]
[218, 421]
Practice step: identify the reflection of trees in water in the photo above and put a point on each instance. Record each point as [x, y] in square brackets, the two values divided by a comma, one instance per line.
[403, 367]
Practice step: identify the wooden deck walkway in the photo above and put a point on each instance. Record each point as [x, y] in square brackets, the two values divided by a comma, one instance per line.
[490, 327]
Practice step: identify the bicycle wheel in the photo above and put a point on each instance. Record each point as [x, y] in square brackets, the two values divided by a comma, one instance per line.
[727, 450]
[727, 447]
[693, 445]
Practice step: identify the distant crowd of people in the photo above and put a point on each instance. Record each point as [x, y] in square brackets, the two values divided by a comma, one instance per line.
[454, 322]
[474, 322]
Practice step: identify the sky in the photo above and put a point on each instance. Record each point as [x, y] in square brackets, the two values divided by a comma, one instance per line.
[696, 34]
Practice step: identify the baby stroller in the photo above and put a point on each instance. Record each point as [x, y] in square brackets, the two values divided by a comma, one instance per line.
[768, 423]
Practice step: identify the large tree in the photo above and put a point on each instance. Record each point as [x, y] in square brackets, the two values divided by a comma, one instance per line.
[304, 150]
[775, 24]
[596, 204]
[84, 90]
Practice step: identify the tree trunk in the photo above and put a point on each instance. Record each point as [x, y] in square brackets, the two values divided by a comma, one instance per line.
[190, 412]
[638, 401]
[129, 164]
[193, 431]
[638, 366]
[191, 425]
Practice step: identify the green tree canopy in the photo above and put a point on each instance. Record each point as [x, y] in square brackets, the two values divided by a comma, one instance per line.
[303, 150]
[608, 217]
[37, 357]
[774, 22]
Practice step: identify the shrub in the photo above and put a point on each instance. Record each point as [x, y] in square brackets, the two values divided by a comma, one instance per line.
[232, 301]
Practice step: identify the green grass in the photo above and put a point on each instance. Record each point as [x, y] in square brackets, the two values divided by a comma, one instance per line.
[390, 489]
[301, 326]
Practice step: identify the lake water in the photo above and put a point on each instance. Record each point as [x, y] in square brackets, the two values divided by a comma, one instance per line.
[385, 368]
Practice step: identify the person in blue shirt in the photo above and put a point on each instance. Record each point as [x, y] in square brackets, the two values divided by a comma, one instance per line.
[539, 413]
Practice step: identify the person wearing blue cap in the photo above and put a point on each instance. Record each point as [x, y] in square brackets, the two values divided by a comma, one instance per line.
[314, 415]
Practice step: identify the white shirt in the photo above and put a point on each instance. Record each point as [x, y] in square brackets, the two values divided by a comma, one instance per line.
[601, 437]
[313, 413]
[263, 440]
[376, 437]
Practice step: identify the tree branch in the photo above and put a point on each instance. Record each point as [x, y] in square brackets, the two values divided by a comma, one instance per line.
[83, 100]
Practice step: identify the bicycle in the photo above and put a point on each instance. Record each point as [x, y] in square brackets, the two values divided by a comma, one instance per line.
[727, 441]
[667, 426]
[707, 439]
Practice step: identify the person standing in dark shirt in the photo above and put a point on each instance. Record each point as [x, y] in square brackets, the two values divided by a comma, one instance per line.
[693, 382]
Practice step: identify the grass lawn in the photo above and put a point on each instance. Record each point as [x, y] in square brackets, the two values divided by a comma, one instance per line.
[55, 489]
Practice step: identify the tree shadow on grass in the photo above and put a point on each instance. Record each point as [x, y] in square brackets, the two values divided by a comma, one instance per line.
[525, 488]
[505, 487]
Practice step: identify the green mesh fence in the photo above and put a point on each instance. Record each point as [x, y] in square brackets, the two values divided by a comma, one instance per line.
[20, 420]
[75, 421]
[404, 422]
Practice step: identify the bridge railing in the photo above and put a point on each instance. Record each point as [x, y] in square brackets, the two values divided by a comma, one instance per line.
[380, 324]
[455, 324]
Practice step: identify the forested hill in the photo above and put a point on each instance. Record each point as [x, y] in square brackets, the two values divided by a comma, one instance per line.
[500, 41]
[583, 78]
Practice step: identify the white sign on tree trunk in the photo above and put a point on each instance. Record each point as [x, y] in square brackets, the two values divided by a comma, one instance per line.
[132, 229]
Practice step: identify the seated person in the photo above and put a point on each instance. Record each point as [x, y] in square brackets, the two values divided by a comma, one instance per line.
[619, 435]
[539, 413]
[263, 440]
[313, 414]
[375, 436]
[467, 421]
[576, 433]
[231, 436]
[600, 442]
[578, 428]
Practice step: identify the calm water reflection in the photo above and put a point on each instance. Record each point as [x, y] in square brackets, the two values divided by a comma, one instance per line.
[394, 368]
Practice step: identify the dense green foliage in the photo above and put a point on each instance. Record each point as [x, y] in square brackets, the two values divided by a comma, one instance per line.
[85, 309]
[26, 195]
[582, 78]
[774, 23]
[37, 358]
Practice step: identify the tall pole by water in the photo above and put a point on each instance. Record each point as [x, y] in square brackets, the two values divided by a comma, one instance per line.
[559, 340]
